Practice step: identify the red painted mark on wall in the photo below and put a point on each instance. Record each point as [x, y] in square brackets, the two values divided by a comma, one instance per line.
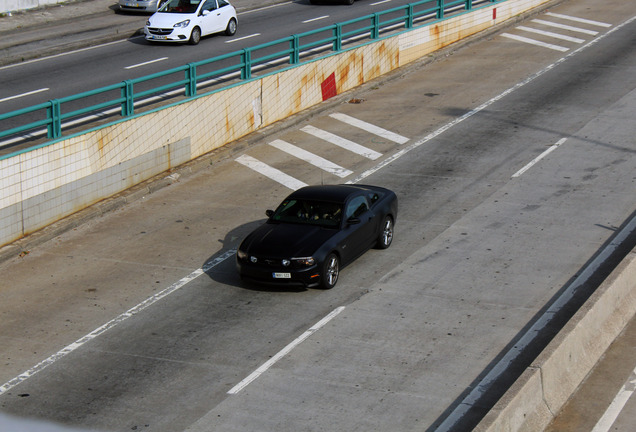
[494, 13]
[328, 87]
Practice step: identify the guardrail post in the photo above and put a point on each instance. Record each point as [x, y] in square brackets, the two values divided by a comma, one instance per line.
[375, 31]
[440, 9]
[246, 60]
[191, 76]
[337, 37]
[469, 5]
[409, 16]
[54, 114]
[294, 47]
[128, 103]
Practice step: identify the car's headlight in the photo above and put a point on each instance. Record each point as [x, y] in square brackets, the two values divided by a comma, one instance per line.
[183, 24]
[148, 23]
[304, 261]
[242, 255]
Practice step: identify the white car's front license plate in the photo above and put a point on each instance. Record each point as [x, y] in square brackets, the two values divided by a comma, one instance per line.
[281, 275]
[159, 37]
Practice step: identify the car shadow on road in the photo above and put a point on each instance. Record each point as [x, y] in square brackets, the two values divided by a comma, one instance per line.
[221, 267]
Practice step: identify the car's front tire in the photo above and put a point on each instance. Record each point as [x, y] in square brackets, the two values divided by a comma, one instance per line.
[195, 36]
[230, 30]
[386, 233]
[330, 272]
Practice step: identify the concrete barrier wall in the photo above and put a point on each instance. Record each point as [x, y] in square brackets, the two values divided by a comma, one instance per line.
[20, 5]
[545, 386]
[47, 184]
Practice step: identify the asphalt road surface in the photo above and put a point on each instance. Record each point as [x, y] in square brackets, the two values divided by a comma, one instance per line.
[518, 170]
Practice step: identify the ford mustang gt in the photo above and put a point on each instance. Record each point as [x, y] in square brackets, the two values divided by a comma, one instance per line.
[316, 231]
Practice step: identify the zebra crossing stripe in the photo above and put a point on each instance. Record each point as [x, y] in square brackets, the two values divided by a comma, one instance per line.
[342, 142]
[376, 130]
[535, 42]
[566, 27]
[581, 20]
[552, 34]
[313, 159]
[270, 172]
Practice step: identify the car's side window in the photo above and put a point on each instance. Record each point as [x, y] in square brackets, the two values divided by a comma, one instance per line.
[209, 5]
[357, 206]
[222, 3]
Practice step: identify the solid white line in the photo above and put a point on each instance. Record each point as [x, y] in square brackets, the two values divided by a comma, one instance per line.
[581, 20]
[613, 411]
[535, 42]
[565, 27]
[243, 38]
[258, 372]
[270, 172]
[538, 158]
[380, 2]
[112, 323]
[315, 19]
[376, 130]
[24, 94]
[146, 63]
[313, 159]
[551, 34]
[342, 142]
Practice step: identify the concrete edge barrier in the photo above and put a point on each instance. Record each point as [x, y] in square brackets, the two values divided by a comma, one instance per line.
[545, 386]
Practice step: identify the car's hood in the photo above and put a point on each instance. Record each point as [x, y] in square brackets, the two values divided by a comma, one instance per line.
[167, 20]
[286, 240]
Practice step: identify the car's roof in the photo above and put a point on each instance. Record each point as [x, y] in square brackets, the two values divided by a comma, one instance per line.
[335, 193]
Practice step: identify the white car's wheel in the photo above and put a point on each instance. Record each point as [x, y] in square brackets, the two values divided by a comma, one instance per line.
[231, 28]
[195, 36]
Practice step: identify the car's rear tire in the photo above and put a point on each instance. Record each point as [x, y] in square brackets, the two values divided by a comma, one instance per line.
[195, 36]
[230, 30]
[386, 233]
[330, 271]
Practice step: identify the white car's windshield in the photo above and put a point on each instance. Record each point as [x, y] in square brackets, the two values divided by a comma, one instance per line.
[180, 6]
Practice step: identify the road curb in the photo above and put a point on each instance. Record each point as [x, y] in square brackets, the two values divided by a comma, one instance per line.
[538, 395]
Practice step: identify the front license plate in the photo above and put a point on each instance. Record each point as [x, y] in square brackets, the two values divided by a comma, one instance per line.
[159, 37]
[281, 275]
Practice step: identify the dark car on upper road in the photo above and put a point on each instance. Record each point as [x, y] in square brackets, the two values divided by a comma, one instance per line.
[315, 232]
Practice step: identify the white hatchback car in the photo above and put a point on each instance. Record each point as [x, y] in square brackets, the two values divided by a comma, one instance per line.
[188, 20]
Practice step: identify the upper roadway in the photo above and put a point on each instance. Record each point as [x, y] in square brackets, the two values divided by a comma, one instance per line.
[136, 320]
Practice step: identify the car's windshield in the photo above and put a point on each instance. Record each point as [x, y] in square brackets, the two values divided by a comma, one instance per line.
[326, 214]
[180, 6]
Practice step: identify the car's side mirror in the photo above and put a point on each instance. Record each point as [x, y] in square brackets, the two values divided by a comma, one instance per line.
[269, 213]
[205, 12]
[353, 221]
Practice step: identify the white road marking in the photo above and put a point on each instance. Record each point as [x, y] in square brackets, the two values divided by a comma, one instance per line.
[613, 411]
[270, 172]
[243, 38]
[551, 34]
[24, 94]
[376, 130]
[146, 63]
[313, 159]
[380, 2]
[535, 42]
[315, 19]
[342, 142]
[258, 372]
[565, 27]
[112, 323]
[538, 158]
[581, 20]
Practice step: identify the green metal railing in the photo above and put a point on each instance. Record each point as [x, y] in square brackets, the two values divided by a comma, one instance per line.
[243, 64]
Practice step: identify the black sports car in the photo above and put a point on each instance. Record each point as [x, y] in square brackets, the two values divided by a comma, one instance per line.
[315, 231]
